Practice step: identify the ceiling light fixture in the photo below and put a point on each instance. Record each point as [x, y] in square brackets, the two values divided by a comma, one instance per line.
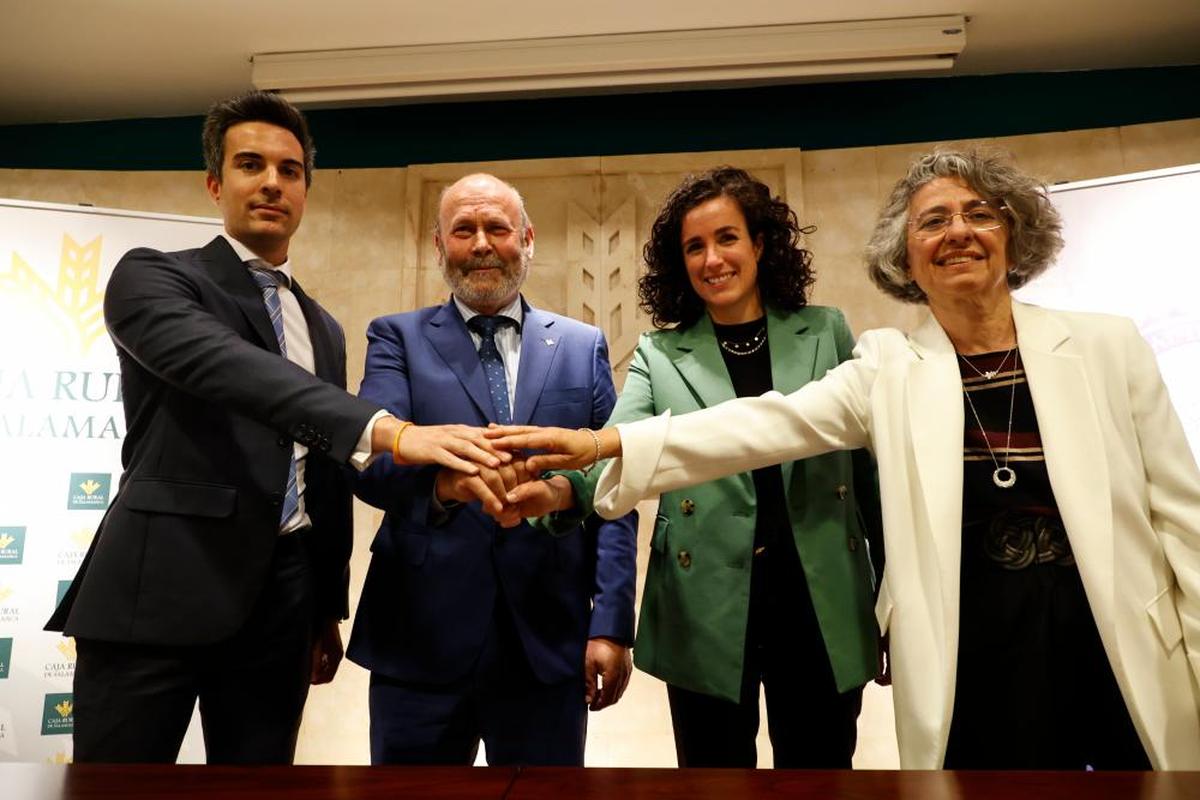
[699, 58]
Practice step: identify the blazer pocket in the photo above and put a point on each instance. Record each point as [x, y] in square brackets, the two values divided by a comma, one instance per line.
[884, 607]
[178, 497]
[1165, 617]
[658, 539]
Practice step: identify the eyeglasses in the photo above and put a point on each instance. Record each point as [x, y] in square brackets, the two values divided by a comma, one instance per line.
[979, 217]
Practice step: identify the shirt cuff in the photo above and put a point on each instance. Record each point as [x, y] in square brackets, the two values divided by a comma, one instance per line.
[362, 456]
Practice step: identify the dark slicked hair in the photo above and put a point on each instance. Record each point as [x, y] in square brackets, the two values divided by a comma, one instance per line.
[253, 106]
[784, 269]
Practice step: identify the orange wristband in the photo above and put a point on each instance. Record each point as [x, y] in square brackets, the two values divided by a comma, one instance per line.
[396, 443]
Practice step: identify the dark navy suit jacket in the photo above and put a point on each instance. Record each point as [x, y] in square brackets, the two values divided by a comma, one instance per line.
[212, 411]
[431, 590]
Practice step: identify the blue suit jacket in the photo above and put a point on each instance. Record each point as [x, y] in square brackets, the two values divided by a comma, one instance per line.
[430, 591]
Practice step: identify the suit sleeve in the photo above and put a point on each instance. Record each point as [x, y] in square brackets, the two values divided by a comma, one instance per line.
[153, 310]
[403, 491]
[1173, 485]
[616, 540]
[668, 452]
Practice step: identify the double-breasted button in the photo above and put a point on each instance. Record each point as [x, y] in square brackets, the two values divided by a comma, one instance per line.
[685, 559]
[687, 507]
[841, 492]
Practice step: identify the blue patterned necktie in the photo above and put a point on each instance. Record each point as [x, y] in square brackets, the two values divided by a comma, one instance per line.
[493, 366]
[268, 280]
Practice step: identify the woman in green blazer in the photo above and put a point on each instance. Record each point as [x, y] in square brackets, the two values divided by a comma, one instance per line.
[765, 577]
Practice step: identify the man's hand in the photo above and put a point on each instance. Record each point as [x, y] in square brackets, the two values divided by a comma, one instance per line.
[565, 448]
[326, 652]
[489, 487]
[538, 498]
[459, 447]
[606, 668]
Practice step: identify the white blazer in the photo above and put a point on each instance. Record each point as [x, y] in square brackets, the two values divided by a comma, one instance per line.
[1125, 481]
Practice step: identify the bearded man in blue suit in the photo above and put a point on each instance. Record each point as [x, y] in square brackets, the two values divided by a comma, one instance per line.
[474, 624]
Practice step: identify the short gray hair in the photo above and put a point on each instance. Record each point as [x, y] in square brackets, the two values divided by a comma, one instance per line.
[1034, 237]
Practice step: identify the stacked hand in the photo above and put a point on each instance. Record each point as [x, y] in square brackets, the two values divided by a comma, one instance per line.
[564, 448]
[510, 492]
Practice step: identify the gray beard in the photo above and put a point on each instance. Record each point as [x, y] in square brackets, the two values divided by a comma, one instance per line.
[513, 278]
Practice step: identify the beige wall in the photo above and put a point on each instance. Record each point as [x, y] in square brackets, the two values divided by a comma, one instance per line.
[364, 250]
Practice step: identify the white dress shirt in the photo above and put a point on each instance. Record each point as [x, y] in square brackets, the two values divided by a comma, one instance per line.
[300, 353]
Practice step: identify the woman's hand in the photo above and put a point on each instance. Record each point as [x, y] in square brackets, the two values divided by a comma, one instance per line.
[564, 448]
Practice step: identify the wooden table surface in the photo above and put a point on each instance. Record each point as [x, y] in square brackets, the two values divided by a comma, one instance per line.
[183, 782]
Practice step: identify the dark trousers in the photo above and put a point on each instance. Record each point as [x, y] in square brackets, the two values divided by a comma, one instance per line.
[519, 719]
[811, 724]
[133, 702]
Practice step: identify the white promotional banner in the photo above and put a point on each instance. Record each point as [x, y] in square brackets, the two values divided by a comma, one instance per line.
[1127, 254]
[61, 431]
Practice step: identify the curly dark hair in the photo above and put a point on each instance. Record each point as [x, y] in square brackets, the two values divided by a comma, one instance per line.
[254, 106]
[784, 268]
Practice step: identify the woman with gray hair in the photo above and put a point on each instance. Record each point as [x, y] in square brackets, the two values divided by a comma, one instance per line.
[1040, 503]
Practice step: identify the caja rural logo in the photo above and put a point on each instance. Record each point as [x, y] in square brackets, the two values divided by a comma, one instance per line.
[12, 544]
[89, 490]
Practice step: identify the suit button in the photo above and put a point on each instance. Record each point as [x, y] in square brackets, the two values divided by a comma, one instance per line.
[325, 445]
[841, 492]
[685, 559]
[283, 441]
[853, 543]
[687, 507]
[276, 499]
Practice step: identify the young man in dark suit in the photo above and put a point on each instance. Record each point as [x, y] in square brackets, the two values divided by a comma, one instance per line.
[220, 570]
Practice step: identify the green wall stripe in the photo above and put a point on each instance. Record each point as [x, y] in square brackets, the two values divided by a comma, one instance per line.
[809, 116]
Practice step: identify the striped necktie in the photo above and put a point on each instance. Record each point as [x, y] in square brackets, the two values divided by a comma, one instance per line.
[268, 280]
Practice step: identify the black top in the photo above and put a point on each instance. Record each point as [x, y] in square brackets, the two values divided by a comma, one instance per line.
[1034, 689]
[747, 356]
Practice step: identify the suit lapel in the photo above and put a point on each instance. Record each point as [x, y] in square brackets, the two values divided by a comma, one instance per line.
[1074, 445]
[325, 357]
[228, 271]
[447, 334]
[539, 349]
[698, 358]
[793, 360]
[934, 400]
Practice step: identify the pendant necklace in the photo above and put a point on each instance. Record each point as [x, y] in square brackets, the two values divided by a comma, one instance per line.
[1003, 476]
[988, 374]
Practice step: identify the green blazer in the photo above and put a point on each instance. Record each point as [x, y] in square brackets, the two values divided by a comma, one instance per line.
[692, 628]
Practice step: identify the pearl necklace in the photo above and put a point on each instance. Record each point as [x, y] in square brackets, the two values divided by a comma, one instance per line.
[746, 348]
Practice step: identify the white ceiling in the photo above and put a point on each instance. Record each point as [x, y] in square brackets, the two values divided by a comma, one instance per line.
[66, 60]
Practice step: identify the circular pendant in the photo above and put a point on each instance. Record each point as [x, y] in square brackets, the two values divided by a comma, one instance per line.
[1004, 477]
